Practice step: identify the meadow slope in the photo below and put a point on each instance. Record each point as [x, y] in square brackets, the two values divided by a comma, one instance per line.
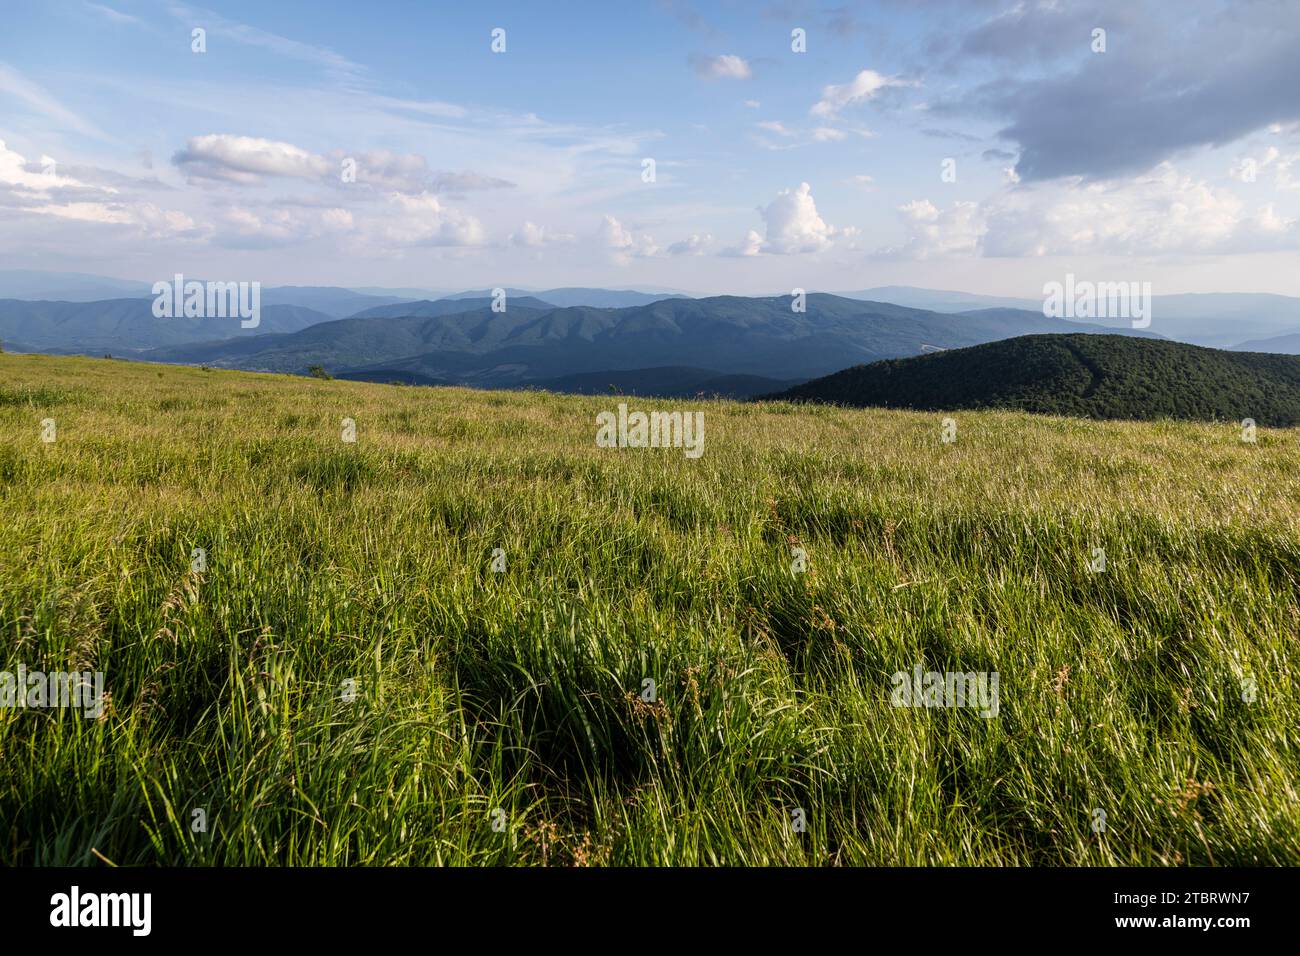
[1160, 691]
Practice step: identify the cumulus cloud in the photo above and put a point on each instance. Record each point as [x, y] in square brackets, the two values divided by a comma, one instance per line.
[933, 233]
[793, 226]
[863, 87]
[1165, 213]
[624, 243]
[40, 176]
[728, 66]
[751, 245]
[533, 236]
[423, 220]
[693, 245]
[281, 225]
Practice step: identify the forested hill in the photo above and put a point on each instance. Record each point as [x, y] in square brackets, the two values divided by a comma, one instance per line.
[1096, 376]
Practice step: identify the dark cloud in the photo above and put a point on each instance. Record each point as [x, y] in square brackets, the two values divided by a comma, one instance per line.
[1172, 79]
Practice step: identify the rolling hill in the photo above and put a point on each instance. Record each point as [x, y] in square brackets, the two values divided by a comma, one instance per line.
[1094, 376]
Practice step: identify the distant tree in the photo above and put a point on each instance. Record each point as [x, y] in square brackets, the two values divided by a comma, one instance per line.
[318, 371]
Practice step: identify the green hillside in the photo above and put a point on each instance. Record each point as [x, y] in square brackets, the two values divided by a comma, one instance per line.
[1093, 376]
[679, 657]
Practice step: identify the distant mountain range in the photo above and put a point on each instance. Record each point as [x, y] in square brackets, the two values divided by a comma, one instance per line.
[1227, 319]
[66, 286]
[1278, 344]
[568, 297]
[635, 341]
[127, 326]
[334, 301]
[1094, 376]
[938, 300]
[1219, 319]
[690, 341]
[451, 305]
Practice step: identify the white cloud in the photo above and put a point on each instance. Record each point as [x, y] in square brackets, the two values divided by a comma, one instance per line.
[861, 88]
[624, 243]
[249, 160]
[751, 245]
[933, 233]
[423, 220]
[752, 104]
[109, 13]
[48, 193]
[534, 236]
[246, 159]
[1164, 213]
[283, 225]
[793, 226]
[828, 134]
[728, 66]
[16, 171]
[693, 245]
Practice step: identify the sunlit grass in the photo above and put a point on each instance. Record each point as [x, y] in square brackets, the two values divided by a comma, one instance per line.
[328, 562]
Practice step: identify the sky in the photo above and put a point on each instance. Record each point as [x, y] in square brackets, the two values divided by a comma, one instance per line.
[748, 148]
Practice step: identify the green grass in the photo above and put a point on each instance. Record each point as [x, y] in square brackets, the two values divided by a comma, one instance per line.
[371, 562]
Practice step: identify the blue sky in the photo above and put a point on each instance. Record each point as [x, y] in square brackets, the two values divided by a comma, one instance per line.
[1169, 157]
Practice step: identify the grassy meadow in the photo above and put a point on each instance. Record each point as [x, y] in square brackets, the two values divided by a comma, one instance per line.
[502, 718]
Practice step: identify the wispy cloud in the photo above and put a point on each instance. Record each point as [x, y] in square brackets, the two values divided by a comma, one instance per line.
[117, 16]
[42, 102]
[218, 26]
